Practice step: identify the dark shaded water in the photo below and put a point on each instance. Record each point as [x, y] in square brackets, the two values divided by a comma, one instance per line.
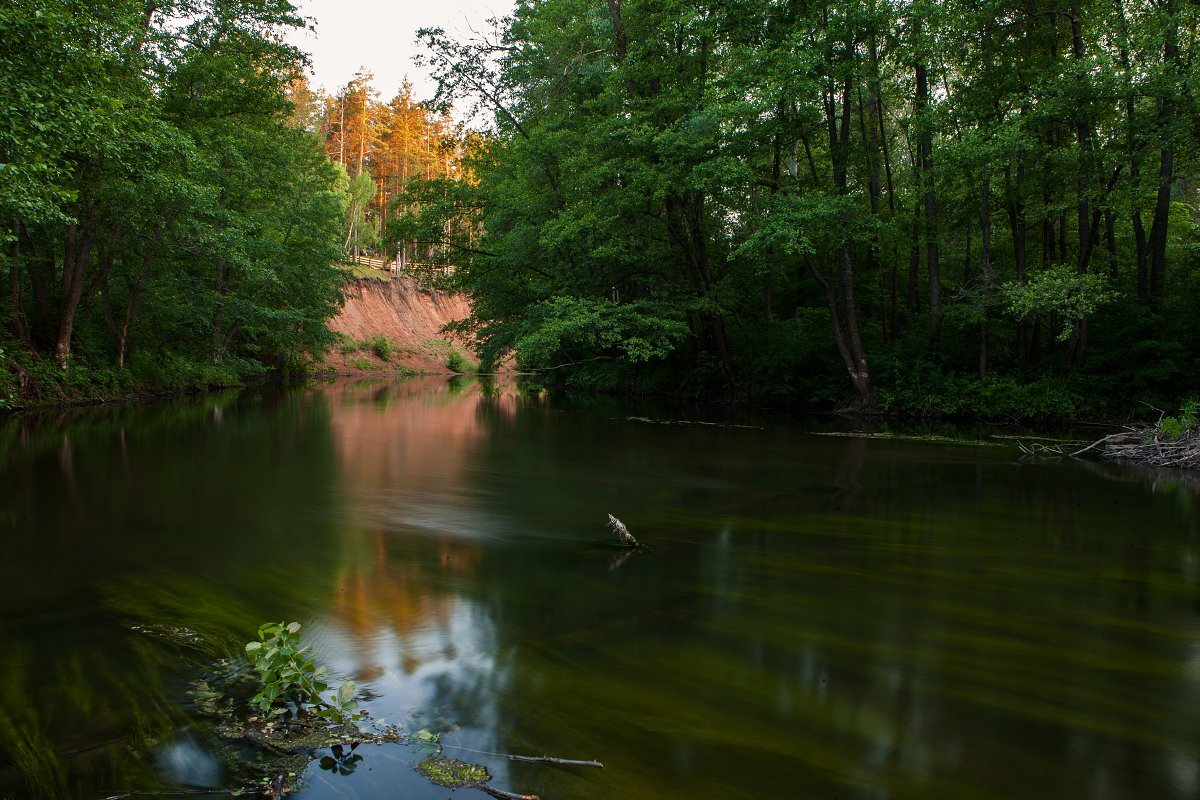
[818, 616]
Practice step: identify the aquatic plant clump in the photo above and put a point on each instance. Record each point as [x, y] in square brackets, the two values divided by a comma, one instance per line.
[288, 674]
[452, 773]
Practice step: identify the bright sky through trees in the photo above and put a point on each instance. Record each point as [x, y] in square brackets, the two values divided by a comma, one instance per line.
[380, 35]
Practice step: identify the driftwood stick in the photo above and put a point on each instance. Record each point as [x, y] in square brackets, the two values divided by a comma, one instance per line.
[562, 762]
[494, 792]
[177, 793]
[565, 762]
[1095, 444]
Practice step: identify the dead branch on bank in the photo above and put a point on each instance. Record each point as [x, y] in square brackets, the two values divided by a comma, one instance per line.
[1149, 446]
[1152, 448]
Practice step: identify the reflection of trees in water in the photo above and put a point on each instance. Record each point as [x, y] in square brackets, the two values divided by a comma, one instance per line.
[94, 725]
[895, 616]
[851, 617]
[397, 587]
[884, 616]
[122, 516]
[982, 606]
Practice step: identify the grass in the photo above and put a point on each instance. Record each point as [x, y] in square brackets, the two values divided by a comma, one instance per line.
[355, 271]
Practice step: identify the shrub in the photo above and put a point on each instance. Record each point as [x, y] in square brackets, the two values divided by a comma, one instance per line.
[457, 362]
[380, 345]
[1170, 428]
[288, 674]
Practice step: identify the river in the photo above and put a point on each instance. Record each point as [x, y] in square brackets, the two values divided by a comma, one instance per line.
[814, 616]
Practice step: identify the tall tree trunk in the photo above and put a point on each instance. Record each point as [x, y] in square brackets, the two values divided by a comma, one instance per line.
[875, 194]
[1110, 239]
[925, 148]
[16, 312]
[1166, 166]
[342, 131]
[912, 296]
[985, 262]
[1083, 137]
[840, 295]
[80, 238]
[1019, 230]
[218, 322]
[1133, 149]
[876, 97]
[133, 302]
[618, 24]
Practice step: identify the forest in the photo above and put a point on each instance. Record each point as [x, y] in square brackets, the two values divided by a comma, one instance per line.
[162, 224]
[925, 207]
[928, 207]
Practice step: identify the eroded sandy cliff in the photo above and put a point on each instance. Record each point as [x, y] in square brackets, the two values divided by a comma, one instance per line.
[412, 318]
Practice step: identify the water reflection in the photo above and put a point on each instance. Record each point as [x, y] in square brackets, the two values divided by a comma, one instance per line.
[817, 616]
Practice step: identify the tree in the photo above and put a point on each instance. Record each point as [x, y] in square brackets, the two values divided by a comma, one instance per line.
[167, 206]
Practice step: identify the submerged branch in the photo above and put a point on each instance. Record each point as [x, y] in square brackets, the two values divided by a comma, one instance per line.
[562, 762]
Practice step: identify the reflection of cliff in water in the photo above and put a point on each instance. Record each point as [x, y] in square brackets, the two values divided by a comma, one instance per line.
[403, 621]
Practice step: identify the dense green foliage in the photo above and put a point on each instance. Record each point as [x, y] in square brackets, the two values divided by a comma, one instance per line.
[161, 224]
[288, 674]
[983, 207]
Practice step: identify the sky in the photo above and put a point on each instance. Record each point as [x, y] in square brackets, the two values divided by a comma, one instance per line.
[380, 35]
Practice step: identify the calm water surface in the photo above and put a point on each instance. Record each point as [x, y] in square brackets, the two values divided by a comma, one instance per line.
[817, 617]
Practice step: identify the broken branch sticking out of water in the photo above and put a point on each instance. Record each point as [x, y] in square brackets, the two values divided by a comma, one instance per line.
[177, 793]
[503, 795]
[562, 762]
[623, 534]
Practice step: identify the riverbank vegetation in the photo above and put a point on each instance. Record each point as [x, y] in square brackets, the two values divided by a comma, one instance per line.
[162, 225]
[930, 207]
